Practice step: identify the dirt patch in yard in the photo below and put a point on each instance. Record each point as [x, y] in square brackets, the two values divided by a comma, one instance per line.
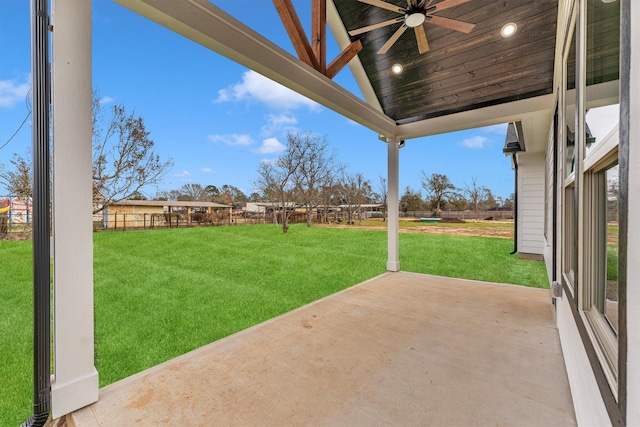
[472, 228]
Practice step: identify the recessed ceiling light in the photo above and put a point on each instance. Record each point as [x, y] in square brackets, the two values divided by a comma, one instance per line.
[508, 29]
[608, 1]
[397, 68]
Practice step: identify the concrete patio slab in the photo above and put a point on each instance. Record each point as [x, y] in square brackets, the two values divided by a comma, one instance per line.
[400, 349]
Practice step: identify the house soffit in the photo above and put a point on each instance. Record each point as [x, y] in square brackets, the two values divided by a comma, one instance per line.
[463, 81]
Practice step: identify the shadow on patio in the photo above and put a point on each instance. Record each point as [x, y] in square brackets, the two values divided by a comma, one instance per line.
[399, 349]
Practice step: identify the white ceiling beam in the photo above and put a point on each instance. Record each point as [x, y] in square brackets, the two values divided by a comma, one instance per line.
[205, 24]
[503, 113]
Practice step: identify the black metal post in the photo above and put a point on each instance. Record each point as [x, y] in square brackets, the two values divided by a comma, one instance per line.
[515, 206]
[41, 215]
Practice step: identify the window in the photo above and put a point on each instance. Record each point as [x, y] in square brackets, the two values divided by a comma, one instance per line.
[594, 175]
[566, 136]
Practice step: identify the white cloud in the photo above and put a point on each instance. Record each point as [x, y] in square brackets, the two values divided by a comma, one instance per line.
[258, 88]
[271, 146]
[12, 92]
[183, 174]
[233, 139]
[277, 122]
[206, 170]
[475, 142]
[106, 100]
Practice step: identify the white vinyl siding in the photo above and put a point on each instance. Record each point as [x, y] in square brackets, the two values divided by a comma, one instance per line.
[531, 203]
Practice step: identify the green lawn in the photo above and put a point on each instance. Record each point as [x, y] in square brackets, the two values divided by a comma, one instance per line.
[164, 292]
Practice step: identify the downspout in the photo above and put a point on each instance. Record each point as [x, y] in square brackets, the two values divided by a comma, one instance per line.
[41, 216]
[515, 206]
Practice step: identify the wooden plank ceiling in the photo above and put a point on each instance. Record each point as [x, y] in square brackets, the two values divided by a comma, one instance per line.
[459, 72]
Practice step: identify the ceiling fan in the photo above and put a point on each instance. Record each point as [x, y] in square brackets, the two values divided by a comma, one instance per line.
[415, 15]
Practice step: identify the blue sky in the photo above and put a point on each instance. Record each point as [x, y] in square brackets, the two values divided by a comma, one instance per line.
[218, 120]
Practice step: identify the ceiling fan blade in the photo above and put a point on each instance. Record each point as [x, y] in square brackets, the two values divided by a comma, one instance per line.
[374, 26]
[452, 24]
[384, 5]
[446, 4]
[392, 39]
[421, 38]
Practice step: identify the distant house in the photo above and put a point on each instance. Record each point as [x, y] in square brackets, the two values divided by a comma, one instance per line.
[151, 213]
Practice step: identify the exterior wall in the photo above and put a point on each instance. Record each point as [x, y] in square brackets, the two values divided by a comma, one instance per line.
[531, 203]
[131, 216]
[135, 209]
[587, 402]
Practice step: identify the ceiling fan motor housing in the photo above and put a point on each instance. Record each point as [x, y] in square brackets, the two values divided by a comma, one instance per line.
[414, 18]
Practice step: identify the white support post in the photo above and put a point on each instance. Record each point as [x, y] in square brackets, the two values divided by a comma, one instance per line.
[75, 379]
[393, 147]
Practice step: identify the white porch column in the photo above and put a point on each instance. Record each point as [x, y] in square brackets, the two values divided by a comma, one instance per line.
[393, 147]
[75, 380]
[630, 80]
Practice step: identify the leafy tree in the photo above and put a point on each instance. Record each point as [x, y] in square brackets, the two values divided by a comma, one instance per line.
[508, 202]
[458, 202]
[489, 201]
[18, 181]
[230, 195]
[438, 188]
[124, 160]
[226, 195]
[212, 191]
[137, 196]
[410, 201]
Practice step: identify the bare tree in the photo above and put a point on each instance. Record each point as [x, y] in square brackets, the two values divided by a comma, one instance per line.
[383, 196]
[355, 191]
[316, 168]
[329, 193]
[475, 193]
[438, 188]
[279, 180]
[123, 157]
[18, 181]
[192, 192]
